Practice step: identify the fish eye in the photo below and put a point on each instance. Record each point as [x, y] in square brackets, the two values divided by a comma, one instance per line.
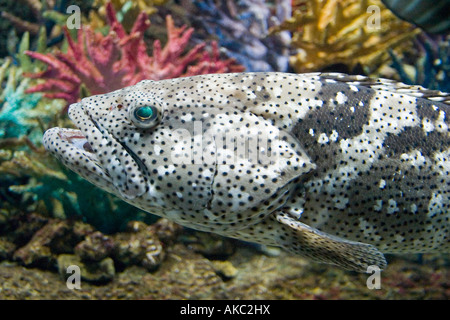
[144, 117]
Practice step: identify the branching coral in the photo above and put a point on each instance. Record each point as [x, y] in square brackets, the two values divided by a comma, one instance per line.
[22, 113]
[127, 11]
[242, 30]
[348, 32]
[99, 63]
[50, 15]
[36, 8]
[17, 114]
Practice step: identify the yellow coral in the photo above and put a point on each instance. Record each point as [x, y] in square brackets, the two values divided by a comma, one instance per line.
[129, 9]
[22, 164]
[349, 32]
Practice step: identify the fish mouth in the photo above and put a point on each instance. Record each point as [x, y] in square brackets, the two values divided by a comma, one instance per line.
[73, 149]
[92, 152]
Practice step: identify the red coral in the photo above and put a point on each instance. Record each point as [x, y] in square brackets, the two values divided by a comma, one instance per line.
[106, 63]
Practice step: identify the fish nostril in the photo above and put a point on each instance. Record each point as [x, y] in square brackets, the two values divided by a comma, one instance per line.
[87, 147]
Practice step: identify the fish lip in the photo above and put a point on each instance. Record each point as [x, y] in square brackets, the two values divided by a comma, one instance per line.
[58, 141]
[74, 149]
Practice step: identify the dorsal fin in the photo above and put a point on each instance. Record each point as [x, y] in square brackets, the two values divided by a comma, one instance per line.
[389, 85]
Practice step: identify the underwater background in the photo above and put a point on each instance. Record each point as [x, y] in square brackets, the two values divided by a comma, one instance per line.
[55, 52]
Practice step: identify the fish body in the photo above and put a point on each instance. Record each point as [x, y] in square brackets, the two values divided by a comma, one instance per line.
[334, 167]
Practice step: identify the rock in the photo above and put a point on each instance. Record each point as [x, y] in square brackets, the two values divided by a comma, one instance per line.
[81, 229]
[166, 230]
[22, 227]
[4, 214]
[188, 275]
[210, 245]
[35, 255]
[92, 271]
[225, 269]
[95, 247]
[138, 246]
[6, 249]
[154, 255]
[54, 238]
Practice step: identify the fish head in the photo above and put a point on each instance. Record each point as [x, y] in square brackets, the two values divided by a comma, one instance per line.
[186, 148]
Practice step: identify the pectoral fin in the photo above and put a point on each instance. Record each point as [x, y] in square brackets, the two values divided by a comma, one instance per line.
[301, 239]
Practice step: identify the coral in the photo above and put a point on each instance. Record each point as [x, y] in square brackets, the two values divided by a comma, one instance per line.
[188, 276]
[95, 247]
[21, 227]
[72, 196]
[138, 246]
[21, 24]
[48, 15]
[35, 241]
[55, 236]
[99, 64]
[96, 272]
[15, 8]
[21, 113]
[17, 109]
[20, 163]
[242, 30]
[166, 230]
[7, 249]
[209, 245]
[127, 11]
[431, 68]
[18, 114]
[329, 32]
[37, 8]
[225, 269]
[23, 118]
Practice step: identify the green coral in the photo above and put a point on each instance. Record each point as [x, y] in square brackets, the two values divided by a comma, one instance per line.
[17, 116]
[22, 113]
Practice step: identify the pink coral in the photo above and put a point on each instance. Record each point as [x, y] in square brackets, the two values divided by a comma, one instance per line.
[106, 63]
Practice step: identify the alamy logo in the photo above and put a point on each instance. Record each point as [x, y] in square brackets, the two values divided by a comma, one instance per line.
[74, 280]
[374, 20]
[74, 20]
[374, 280]
[209, 147]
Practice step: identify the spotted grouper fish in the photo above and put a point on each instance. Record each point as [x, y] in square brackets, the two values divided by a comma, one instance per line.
[333, 167]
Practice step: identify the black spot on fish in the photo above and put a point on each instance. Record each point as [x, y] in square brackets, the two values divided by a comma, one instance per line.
[414, 138]
[346, 119]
